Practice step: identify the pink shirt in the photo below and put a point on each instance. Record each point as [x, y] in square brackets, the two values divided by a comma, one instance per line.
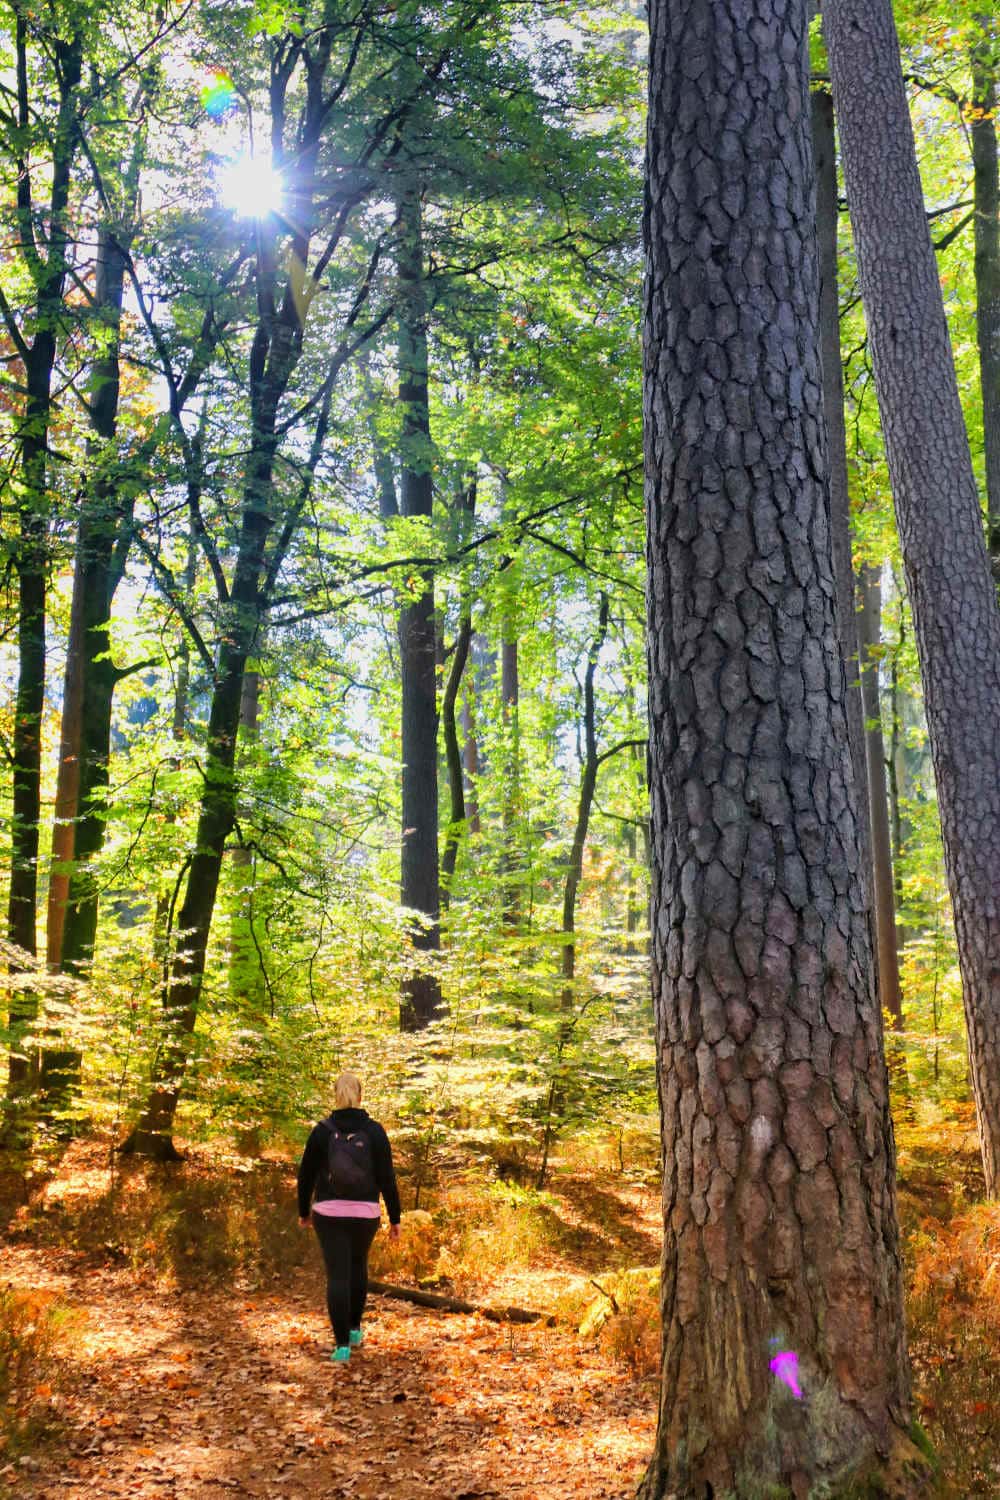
[346, 1208]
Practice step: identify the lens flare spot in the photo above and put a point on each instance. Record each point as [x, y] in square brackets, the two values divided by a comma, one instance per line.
[217, 94]
[785, 1366]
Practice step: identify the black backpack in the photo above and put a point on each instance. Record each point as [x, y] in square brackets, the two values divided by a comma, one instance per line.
[349, 1165]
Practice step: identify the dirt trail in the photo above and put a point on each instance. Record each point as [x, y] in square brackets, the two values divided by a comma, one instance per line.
[199, 1393]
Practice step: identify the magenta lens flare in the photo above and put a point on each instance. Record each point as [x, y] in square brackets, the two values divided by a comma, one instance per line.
[785, 1367]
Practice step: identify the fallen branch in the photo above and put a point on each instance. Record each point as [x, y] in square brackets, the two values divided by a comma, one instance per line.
[455, 1304]
[610, 1295]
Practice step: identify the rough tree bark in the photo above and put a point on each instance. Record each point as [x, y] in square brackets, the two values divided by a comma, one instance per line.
[986, 202]
[784, 1368]
[419, 867]
[948, 575]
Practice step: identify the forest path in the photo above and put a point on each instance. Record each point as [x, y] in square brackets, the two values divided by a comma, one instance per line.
[202, 1392]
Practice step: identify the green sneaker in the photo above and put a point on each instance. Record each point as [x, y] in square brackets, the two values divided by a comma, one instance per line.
[342, 1352]
[357, 1338]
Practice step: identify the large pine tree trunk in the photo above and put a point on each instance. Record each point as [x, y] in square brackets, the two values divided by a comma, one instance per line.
[419, 867]
[986, 196]
[951, 588]
[784, 1360]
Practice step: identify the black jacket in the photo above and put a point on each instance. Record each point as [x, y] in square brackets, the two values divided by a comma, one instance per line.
[314, 1184]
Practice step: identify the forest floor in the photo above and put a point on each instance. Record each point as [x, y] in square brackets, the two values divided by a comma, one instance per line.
[162, 1333]
[181, 1368]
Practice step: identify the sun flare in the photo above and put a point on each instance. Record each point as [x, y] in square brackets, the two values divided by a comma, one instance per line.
[251, 187]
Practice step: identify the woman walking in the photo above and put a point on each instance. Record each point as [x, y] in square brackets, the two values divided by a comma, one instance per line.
[346, 1166]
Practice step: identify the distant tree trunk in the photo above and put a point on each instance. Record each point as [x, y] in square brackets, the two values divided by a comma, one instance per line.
[453, 758]
[868, 778]
[31, 491]
[246, 978]
[584, 805]
[783, 1366]
[102, 546]
[457, 822]
[178, 733]
[510, 693]
[419, 867]
[217, 813]
[67, 798]
[898, 780]
[883, 889]
[470, 751]
[951, 589]
[986, 196]
[825, 159]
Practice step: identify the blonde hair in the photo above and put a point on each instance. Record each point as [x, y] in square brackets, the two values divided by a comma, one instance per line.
[347, 1091]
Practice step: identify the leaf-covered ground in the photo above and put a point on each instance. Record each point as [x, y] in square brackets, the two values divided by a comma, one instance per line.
[197, 1390]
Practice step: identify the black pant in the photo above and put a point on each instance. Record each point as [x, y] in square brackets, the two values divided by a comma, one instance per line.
[345, 1244]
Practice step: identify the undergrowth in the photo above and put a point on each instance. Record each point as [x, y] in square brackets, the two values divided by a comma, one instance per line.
[31, 1325]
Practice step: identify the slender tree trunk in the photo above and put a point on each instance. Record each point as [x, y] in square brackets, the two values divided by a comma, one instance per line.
[883, 888]
[584, 806]
[26, 754]
[217, 814]
[100, 560]
[465, 510]
[784, 1366]
[32, 507]
[246, 978]
[868, 778]
[825, 159]
[178, 733]
[457, 821]
[419, 867]
[510, 692]
[898, 782]
[470, 749]
[986, 197]
[952, 592]
[67, 797]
